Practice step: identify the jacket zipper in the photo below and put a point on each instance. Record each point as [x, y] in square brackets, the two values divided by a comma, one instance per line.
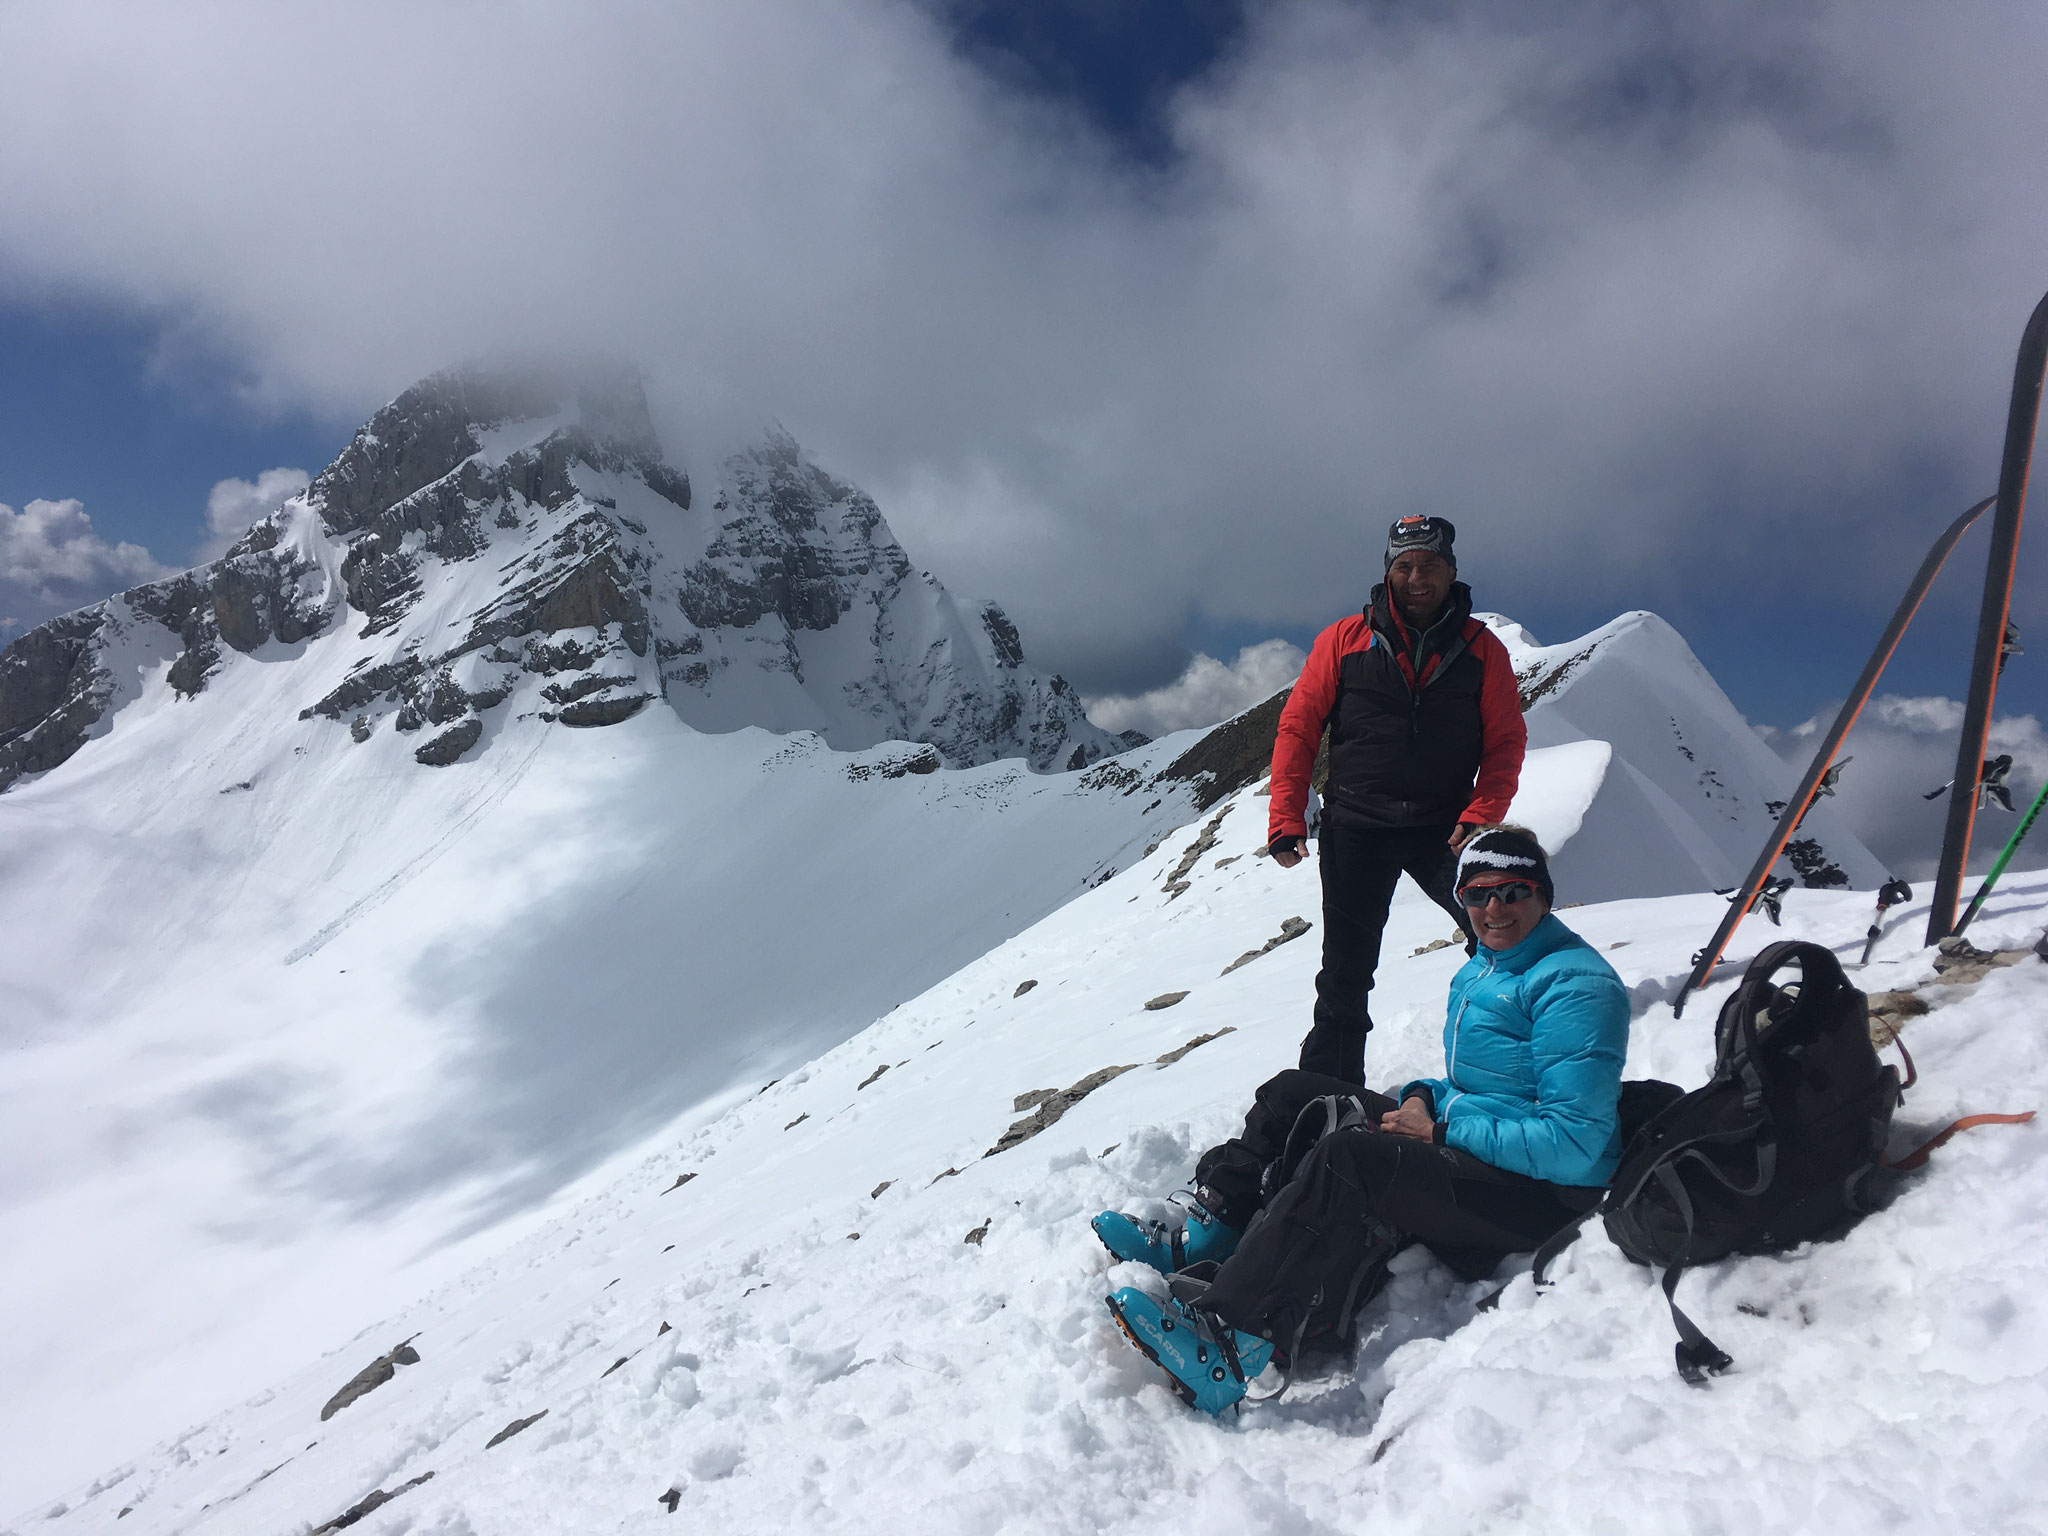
[1458, 1024]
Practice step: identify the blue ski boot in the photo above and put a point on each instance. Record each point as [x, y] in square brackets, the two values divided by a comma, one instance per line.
[1199, 1239]
[1208, 1361]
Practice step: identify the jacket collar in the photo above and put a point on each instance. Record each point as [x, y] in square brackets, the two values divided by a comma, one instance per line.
[1545, 938]
[1420, 653]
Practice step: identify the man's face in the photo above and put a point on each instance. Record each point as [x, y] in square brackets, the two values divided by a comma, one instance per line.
[1501, 926]
[1420, 580]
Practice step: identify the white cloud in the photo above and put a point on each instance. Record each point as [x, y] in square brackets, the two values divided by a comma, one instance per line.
[1631, 292]
[51, 562]
[1905, 746]
[232, 505]
[1207, 692]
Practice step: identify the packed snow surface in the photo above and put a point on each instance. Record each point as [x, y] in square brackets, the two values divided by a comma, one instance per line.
[287, 1017]
[823, 1307]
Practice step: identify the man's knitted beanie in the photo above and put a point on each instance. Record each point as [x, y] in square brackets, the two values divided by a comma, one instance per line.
[1511, 851]
[1436, 534]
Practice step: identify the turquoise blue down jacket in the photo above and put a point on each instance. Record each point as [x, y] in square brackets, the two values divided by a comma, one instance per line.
[1533, 1044]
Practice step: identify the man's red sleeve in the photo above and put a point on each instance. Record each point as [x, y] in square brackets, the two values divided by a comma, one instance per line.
[1300, 737]
[1503, 734]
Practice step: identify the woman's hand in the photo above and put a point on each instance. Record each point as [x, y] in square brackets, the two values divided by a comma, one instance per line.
[1411, 1119]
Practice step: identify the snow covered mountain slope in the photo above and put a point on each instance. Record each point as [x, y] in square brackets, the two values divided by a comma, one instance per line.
[1691, 793]
[837, 1306]
[286, 1012]
[504, 544]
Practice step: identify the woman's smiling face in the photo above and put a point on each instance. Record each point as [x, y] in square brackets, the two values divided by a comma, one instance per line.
[1500, 925]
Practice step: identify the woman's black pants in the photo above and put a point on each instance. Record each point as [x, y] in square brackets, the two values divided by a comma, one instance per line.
[1356, 1198]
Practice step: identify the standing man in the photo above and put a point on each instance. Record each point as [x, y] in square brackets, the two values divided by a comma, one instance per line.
[1426, 743]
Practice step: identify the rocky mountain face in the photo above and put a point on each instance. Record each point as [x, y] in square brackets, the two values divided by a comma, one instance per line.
[500, 541]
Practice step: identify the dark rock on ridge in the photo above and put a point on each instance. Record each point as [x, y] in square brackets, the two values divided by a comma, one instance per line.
[56, 686]
[1238, 752]
[609, 711]
[370, 1503]
[451, 743]
[51, 694]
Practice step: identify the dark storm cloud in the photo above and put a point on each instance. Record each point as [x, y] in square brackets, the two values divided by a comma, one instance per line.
[1634, 292]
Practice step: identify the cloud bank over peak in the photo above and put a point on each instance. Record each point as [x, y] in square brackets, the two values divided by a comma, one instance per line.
[1207, 692]
[233, 504]
[1631, 291]
[51, 561]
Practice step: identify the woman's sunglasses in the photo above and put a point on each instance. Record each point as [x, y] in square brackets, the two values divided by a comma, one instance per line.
[1509, 892]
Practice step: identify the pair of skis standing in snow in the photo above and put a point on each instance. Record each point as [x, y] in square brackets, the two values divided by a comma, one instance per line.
[1291, 1224]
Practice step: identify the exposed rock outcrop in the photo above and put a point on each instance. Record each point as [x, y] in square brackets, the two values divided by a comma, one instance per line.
[451, 743]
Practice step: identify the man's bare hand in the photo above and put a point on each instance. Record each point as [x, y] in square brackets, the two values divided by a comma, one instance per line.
[1461, 834]
[1411, 1119]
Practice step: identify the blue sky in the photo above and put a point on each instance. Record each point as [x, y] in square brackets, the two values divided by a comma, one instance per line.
[134, 383]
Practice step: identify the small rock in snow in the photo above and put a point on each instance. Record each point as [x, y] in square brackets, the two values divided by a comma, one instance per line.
[978, 1233]
[681, 1180]
[1181, 1050]
[872, 1076]
[514, 1428]
[1050, 1106]
[373, 1501]
[799, 1120]
[369, 1378]
[1164, 1000]
[1290, 930]
[1023, 987]
[876, 1192]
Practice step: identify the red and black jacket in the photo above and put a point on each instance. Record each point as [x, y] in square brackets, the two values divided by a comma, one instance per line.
[1424, 730]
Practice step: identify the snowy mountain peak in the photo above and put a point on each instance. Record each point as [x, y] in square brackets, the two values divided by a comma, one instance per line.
[449, 418]
[1691, 791]
[499, 543]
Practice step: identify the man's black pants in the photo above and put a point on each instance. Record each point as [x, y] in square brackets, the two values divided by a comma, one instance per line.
[1357, 1197]
[1361, 866]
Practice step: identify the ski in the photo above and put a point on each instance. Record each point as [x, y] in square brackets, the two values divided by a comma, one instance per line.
[2012, 846]
[1824, 760]
[1994, 618]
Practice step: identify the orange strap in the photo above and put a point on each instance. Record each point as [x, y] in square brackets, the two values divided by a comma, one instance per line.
[1919, 1155]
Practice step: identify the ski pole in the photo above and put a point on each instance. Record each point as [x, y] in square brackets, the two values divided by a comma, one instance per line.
[1889, 895]
[2012, 845]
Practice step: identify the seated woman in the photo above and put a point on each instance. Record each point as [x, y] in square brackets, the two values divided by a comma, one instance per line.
[1284, 1242]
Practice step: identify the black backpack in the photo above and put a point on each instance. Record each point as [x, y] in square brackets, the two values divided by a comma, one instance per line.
[1777, 1148]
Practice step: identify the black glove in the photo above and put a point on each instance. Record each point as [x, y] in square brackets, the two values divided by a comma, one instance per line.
[1291, 843]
